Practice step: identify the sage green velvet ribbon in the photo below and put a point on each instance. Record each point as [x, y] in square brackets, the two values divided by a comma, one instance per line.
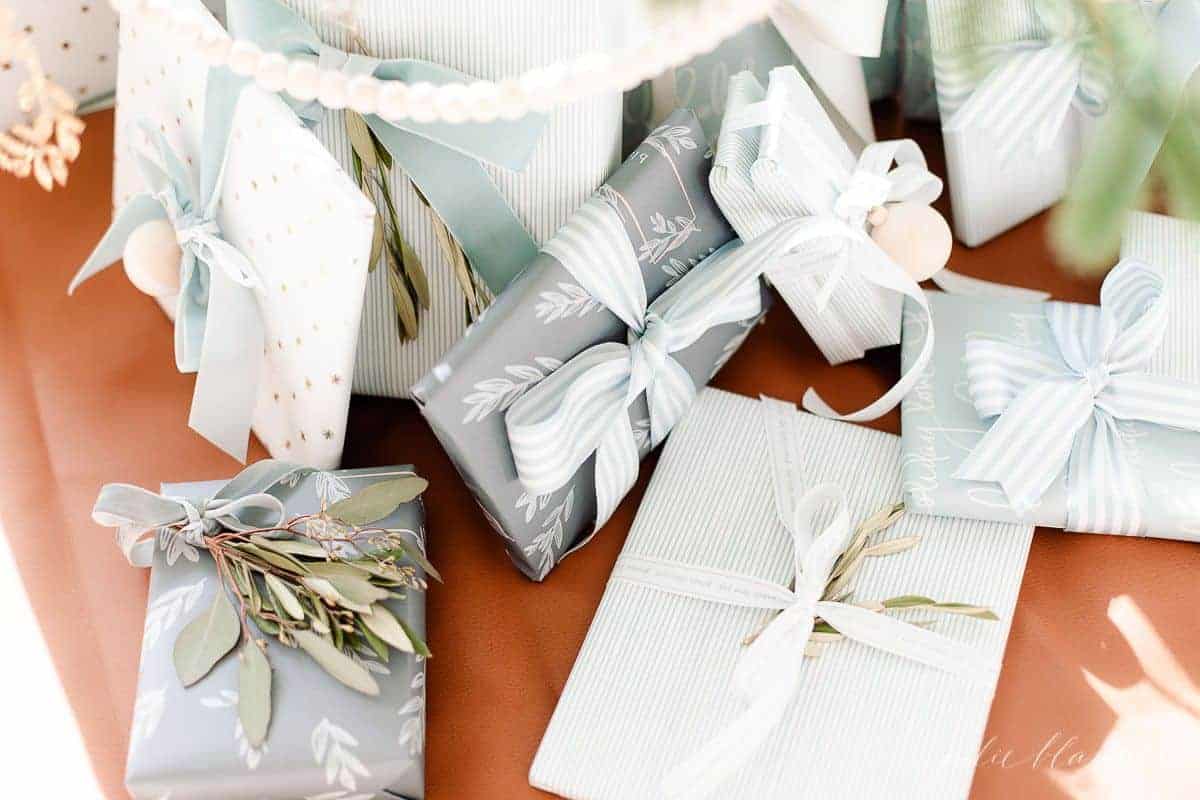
[242, 504]
[444, 160]
[219, 330]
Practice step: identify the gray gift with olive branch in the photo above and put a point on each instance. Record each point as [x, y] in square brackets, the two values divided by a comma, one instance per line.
[325, 740]
[545, 318]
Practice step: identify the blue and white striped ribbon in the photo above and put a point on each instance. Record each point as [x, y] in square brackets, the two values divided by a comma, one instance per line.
[1029, 94]
[1061, 410]
[583, 407]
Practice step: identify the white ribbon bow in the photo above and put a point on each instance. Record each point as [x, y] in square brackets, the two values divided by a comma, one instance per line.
[583, 407]
[770, 671]
[1038, 82]
[1062, 410]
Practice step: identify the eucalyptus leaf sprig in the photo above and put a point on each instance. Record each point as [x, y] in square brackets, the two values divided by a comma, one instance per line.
[318, 582]
[838, 589]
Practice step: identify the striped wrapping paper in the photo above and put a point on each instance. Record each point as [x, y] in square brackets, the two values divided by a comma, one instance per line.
[941, 426]
[652, 681]
[968, 39]
[490, 40]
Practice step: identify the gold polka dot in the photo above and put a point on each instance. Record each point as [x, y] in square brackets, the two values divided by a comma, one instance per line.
[335, 379]
[328, 434]
[307, 383]
[303, 438]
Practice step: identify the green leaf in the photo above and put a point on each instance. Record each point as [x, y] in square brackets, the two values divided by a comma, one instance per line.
[406, 310]
[376, 243]
[417, 642]
[406, 549]
[358, 591]
[908, 601]
[292, 547]
[361, 140]
[337, 663]
[286, 598]
[378, 500]
[384, 624]
[277, 560]
[254, 692]
[385, 155]
[331, 595]
[266, 626]
[978, 612]
[377, 645]
[206, 640]
[415, 272]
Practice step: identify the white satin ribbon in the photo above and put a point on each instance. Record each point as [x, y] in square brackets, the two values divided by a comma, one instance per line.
[583, 407]
[770, 671]
[1029, 94]
[1060, 410]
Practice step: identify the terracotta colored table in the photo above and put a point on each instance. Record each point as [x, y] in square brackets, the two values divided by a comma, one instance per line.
[89, 394]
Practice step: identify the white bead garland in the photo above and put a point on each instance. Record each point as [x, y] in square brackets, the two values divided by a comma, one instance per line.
[537, 90]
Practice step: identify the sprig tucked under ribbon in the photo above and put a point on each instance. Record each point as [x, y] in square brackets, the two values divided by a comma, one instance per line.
[770, 670]
[219, 331]
[317, 582]
[445, 162]
[1060, 410]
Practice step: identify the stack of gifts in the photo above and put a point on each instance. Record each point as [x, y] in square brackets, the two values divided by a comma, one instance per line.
[795, 589]
[904, 68]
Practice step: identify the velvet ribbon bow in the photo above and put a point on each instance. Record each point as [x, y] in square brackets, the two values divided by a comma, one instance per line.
[242, 504]
[219, 331]
[445, 161]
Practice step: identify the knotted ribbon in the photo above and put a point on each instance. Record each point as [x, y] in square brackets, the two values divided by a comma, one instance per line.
[770, 671]
[583, 407]
[1062, 409]
[445, 161]
[800, 199]
[219, 330]
[1037, 82]
[242, 504]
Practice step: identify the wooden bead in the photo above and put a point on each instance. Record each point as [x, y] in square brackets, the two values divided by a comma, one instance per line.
[152, 258]
[916, 237]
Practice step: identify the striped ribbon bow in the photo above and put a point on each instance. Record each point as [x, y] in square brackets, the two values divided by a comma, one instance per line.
[219, 331]
[445, 161]
[1062, 411]
[242, 504]
[583, 407]
[1038, 81]
[770, 671]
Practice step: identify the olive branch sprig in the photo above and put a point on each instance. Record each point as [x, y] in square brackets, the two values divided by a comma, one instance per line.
[318, 582]
[860, 548]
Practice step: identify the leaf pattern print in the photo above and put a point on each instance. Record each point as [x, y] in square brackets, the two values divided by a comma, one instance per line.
[497, 394]
[228, 699]
[676, 269]
[412, 730]
[147, 713]
[676, 138]
[173, 542]
[330, 488]
[545, 545]
[672, 234]
[641, 434]
[331, 749]
[571, 301]
[533, 504]
[167, 609]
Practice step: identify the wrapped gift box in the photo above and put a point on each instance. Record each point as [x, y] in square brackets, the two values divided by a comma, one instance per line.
[286, 205]
[546, 317]
[904, 69]
[578, 146]
[942, 425]
[325, 739]
[792, 37]
[652, 683]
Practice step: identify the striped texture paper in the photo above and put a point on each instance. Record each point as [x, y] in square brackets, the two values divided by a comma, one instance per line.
[652, 681]
[969, 39]
[581, 145]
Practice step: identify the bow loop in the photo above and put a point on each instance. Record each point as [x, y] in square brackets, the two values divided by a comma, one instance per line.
[1058, 414]
[243, 504]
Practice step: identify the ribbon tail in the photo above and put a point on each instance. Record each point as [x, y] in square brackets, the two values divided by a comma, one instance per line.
[259, 477]
[141, 209]
[702, 774]
[227, 379]
[1103, 491]
[463, 195]
[220, 104]
[617, 463]
[878, 269]
[912, 642]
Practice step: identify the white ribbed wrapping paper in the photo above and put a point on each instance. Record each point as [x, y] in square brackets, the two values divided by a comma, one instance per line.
[580, 146]
[990, 197]
[652, 681]
[1174, 244]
